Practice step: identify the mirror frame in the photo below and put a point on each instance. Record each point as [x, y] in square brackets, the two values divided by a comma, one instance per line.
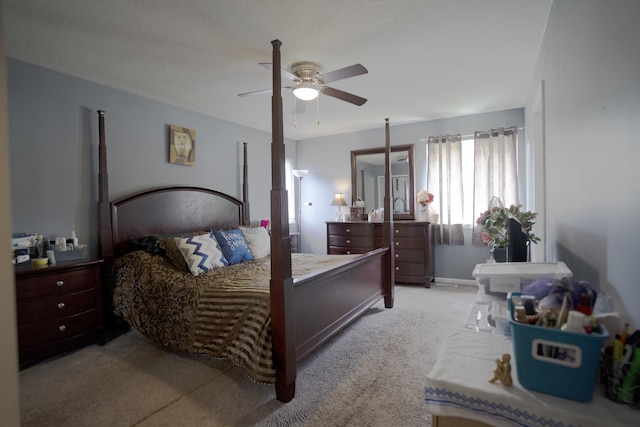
[409, 149]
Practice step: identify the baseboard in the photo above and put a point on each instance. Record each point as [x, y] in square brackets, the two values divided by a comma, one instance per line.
[452, 281]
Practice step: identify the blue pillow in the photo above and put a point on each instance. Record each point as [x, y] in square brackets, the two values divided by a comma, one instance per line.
[234, 246]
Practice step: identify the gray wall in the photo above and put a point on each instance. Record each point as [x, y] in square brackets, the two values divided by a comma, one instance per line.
[590, 64]
[54, 137]
[328, 160]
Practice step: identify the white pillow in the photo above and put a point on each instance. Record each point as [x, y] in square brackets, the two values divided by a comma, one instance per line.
[201, 253]
[258, 240]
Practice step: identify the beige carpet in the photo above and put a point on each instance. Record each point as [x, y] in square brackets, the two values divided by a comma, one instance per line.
[372, 374]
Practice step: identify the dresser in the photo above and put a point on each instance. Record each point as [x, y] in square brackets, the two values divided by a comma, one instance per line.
[413, 246]
[59, 308]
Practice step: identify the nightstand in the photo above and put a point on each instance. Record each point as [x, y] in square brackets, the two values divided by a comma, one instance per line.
[59, 308]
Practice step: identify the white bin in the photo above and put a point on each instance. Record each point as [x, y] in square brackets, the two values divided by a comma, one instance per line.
[496, 280]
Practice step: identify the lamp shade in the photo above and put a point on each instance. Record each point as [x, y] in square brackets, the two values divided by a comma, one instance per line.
[300, 173]
[338, 200]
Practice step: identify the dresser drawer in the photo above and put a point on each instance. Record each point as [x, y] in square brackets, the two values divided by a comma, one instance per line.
[409, 243]
[340, 250]
[36, 334]
[409, 231]
[409, 256]
[349, 229]
[56, 307]
[54, 283]
[351, 242]
[409, 269]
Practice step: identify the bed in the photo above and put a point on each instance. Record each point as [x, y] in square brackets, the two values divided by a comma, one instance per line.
[283, 306]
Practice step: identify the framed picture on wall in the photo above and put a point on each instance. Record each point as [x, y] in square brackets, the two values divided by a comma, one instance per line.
[182, 145]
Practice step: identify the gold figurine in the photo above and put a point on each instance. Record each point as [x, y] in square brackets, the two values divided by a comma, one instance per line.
[503, 371]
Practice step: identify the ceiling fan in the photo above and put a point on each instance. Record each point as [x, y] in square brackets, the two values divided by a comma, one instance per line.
[309, 81]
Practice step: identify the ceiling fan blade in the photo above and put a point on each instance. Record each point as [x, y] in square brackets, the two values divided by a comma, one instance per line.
[256, 92]
[344, 96]
[342, 73]
[284, 73]
[261, 91]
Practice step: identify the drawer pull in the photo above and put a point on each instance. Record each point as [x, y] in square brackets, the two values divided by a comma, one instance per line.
[397, 231]
[62, 328]
[397, 256]
[60, 305]
[60, 283]
[397, 243]
[397, 268]
[348, 230]
[348, 252]
[348, 241]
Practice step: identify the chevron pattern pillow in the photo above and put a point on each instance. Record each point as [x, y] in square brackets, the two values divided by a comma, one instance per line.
[202, 253]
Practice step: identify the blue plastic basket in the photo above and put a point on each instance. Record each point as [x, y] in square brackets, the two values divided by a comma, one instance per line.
[556, 362]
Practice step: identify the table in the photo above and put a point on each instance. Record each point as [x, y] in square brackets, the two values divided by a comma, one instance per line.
[458, 389]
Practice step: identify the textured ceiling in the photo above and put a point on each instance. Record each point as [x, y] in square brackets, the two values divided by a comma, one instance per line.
[427, 59]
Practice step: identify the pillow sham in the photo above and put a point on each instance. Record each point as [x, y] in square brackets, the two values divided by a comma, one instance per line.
[258, 240]
[173, 253]
[234, 246]
[149, 244]
[201, 253]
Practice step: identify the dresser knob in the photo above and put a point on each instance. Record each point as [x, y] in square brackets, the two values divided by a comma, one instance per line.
[348, 230]
[60, 283]
[397, 268]
[60, 305]
[62, 328]
[397, 256]
[348, 252]
[397, 231]
[397, 243]
[348, 241]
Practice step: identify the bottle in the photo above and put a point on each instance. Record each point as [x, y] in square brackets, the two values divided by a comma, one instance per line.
[74, 239]
[575, 322]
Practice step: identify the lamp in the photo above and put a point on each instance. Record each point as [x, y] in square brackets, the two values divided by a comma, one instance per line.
[306, 91]
[300, 173]
[338, 200]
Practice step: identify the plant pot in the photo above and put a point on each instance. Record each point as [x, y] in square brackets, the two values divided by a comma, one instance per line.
[499, 254]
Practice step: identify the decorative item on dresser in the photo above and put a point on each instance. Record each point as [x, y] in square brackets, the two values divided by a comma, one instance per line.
[413, 258]
[58, 308]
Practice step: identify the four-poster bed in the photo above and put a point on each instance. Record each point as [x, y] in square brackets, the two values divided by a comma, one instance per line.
[295, 314]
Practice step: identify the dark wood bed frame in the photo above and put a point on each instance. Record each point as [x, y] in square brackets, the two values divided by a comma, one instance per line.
[305, 312]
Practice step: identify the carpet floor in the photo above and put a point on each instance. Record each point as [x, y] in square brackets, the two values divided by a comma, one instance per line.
[371, 374]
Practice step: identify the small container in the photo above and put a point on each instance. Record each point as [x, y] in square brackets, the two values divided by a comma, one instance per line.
[575, 322]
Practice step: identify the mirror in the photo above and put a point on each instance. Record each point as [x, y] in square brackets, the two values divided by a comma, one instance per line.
[367, 179]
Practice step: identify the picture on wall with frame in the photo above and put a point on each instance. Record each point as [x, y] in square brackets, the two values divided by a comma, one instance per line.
[182, 145]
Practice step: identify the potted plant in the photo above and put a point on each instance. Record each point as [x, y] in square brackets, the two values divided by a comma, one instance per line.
[495, 227]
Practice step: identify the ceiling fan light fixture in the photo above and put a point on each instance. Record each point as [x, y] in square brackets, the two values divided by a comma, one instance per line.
[306, 92]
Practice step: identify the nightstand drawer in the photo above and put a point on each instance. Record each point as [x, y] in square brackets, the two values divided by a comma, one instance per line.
[54, 283]
[59, 329]
[56, 307]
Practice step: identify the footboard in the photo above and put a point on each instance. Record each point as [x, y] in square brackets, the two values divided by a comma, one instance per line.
[327, 302]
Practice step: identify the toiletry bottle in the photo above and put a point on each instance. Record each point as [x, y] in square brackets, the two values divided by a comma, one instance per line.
[74, 239]
[575, 322]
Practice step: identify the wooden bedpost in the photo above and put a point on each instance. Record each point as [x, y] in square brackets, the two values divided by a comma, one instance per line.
[281, 285]
[387, 225]
[105, 240]
[245, 186]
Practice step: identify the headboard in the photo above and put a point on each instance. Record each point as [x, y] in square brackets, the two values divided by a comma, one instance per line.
[172, 211]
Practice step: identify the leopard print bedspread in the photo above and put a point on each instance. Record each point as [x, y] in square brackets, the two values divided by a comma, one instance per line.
[223, 313]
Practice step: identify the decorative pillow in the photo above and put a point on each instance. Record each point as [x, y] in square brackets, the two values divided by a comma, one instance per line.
[149, 244]
[173, 253]
[258, 240]
[234, 246]
[201, 253]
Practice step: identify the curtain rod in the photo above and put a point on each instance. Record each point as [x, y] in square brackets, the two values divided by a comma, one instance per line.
[466, 136]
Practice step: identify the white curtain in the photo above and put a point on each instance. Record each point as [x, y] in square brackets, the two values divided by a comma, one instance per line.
[444, 181]
[496, 171]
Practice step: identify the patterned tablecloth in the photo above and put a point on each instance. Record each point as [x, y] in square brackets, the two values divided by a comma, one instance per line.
[458, 385]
